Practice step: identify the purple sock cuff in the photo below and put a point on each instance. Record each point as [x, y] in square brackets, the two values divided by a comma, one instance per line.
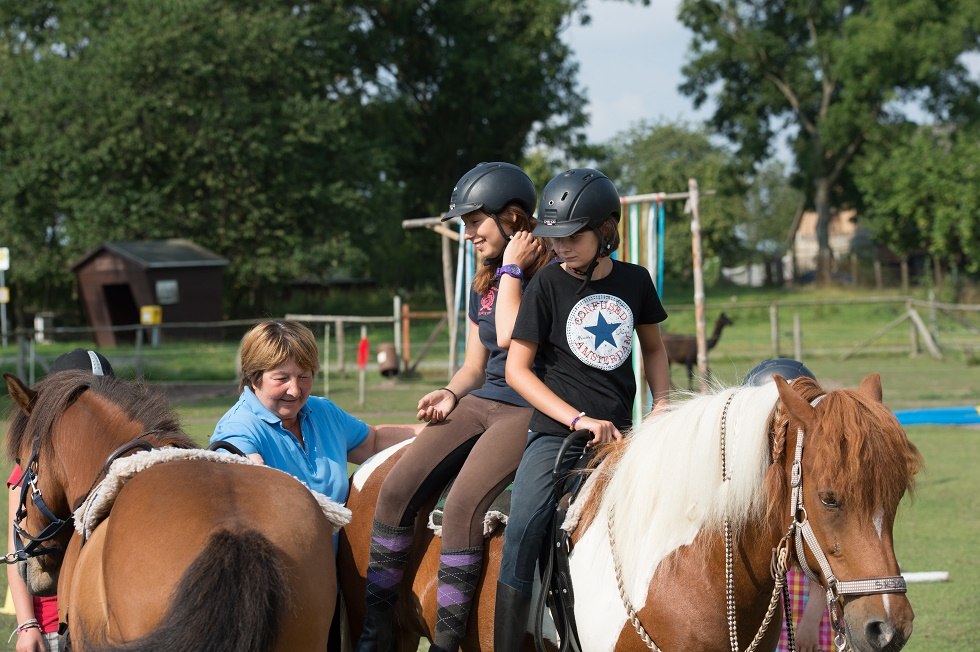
[457, 560]
[397, 543]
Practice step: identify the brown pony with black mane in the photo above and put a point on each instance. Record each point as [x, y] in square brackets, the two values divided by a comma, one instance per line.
[194, 554]
[679, 525]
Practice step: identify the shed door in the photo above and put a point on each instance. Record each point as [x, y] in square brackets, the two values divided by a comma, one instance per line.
[122, 308]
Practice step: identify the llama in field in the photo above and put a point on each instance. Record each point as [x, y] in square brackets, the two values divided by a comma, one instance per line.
[683, 349]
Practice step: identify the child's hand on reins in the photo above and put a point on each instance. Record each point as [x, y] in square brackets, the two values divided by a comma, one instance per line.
[602, 431]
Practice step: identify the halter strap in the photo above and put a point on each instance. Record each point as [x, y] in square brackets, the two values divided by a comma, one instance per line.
[804, 537]
[30, 476]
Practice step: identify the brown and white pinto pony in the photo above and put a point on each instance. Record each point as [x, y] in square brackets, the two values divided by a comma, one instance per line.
[665, 485]
[193, 555]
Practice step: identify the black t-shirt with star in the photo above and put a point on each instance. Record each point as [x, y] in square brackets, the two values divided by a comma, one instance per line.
[586, 340]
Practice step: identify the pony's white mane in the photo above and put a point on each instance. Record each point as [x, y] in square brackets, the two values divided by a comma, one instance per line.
[667, 486]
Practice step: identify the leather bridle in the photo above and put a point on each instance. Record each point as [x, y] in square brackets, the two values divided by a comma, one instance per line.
[804, 537]
[40, 544]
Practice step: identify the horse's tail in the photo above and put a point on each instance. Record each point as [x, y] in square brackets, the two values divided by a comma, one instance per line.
[230, 599]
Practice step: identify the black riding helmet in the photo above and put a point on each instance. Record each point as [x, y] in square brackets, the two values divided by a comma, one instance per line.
[788, 368]
[574, 200]
[490, 187]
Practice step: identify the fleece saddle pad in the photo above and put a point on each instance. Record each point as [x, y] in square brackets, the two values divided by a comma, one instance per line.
[495, 517]
[99, 501]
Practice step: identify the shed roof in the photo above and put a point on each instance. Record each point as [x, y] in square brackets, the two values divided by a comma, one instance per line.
[158, 254]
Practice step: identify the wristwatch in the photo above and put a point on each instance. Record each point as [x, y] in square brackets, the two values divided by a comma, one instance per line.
[509, 270]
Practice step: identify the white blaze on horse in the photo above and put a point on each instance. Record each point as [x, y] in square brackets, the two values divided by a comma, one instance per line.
[766, 465]
[191, 555]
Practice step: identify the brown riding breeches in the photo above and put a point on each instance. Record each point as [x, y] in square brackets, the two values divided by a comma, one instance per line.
[483, 441]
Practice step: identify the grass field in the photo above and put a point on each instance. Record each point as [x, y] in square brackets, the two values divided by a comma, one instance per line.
[937, 529]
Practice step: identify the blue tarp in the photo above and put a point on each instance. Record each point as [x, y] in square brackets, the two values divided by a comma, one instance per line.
[944, 416]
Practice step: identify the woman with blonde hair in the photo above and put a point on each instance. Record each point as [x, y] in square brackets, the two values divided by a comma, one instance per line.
[278, 423]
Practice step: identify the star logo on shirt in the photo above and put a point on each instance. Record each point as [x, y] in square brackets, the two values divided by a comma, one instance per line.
[603, 331]
[599, 331]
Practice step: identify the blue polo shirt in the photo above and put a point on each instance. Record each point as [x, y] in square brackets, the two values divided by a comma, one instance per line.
[328, 434]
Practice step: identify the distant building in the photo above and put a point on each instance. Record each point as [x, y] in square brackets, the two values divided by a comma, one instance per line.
[845, 232]
[117, 278]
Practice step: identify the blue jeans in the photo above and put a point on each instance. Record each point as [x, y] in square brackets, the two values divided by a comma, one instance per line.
[532, 505]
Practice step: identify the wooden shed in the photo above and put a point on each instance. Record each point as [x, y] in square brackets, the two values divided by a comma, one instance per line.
[116, 278]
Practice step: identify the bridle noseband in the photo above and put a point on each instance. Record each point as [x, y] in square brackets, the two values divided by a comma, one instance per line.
[35, 543]
[804, 537]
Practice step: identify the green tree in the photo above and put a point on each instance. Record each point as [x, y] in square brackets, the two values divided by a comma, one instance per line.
[771, 202]
[232, 126]
[460, 82]
[292, 139]
[661, 158]
[828, 73]
[924, 193]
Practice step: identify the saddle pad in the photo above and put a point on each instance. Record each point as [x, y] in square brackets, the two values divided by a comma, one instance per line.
[495, 517]
[96, 506]
[574, 513]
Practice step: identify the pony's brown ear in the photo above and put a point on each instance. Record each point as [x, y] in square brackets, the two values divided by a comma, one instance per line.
[22, 394]
[795, 404]
[871, 387]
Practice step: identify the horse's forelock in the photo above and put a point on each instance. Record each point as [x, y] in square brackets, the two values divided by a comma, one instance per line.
[54, 394]
[862, 452]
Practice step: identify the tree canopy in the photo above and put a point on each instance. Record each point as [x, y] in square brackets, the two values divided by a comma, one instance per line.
[831, 75]
[291, 139]
[661, 158]
[923, 194]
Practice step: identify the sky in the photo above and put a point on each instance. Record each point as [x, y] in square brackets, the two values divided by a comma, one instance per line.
[630, 59]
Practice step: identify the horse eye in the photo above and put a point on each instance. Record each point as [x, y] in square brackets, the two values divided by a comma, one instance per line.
[829, 499]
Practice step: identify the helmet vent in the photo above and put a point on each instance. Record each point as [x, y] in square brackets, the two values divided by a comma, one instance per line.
[564, 196]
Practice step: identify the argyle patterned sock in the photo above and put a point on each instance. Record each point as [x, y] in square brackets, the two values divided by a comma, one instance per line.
[459, 572]
[390, 547]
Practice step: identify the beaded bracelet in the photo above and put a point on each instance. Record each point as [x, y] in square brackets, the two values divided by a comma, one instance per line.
[455, 398]
[31, 623]
[571, 426]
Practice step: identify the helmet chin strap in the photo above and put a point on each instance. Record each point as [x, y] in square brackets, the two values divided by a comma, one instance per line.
[496, 260]
[591, 267]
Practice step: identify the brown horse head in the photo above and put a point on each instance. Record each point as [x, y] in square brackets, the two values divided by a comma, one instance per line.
[52, 431]
[857, 464]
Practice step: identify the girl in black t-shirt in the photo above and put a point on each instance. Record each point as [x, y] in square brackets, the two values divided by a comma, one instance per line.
[580, 318]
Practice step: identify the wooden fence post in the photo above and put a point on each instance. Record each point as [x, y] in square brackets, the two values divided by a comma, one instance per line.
[797, 337]
[692, 188]
[774, 328]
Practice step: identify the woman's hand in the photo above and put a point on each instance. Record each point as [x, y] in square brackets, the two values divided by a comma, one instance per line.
[436, 406]
[602, 431]
[31, 640]
[522, 250]
[808, 629]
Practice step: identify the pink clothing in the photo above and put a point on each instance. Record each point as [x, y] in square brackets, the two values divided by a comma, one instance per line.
[799, 590]
[45, 609]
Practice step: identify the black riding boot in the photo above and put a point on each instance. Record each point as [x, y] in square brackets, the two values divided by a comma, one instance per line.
[510, 616]
[376, 635]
